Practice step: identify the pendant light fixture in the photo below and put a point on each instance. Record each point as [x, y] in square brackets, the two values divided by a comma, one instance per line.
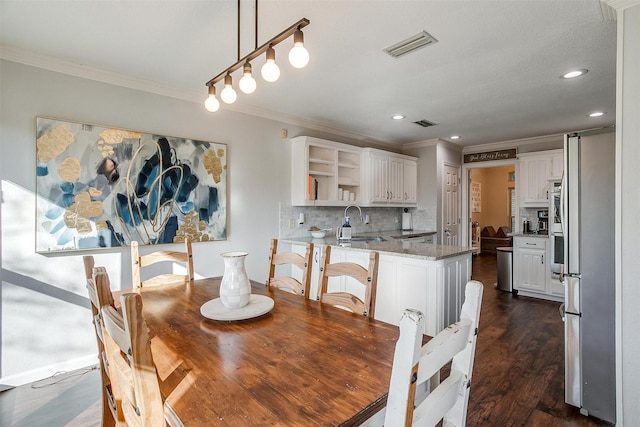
[270, 70]
[298, 57]
[211, 103]
[228, 94]
[247, 83]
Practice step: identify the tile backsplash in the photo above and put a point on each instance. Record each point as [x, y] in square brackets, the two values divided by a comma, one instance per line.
[380, 219]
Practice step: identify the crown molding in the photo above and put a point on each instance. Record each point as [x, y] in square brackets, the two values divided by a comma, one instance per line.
[51, 63]
[77, 70]
[515, 143]
[421, 144]
[621, 4]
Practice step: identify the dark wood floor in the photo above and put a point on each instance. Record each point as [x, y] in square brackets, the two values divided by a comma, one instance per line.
[518, 375]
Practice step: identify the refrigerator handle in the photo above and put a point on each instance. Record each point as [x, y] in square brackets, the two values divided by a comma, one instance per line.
[563, 194]
[562, 312]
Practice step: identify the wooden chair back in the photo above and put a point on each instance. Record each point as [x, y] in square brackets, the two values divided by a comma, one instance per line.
[414, 364]
[99, 289]
[288, 283]
[132, 363]
[368, 277]
[138, 262]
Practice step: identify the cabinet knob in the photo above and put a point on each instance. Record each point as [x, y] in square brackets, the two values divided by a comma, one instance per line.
[541, 259]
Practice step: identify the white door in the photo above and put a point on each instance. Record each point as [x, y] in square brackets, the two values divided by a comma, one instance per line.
[451, 206]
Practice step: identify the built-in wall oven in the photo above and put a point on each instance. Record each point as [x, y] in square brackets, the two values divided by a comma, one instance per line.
[556, 236]
[555, 214]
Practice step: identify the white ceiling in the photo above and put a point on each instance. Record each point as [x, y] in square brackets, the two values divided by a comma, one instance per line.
[492, 76]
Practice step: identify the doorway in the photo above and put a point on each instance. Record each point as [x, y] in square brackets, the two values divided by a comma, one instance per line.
[489, 198]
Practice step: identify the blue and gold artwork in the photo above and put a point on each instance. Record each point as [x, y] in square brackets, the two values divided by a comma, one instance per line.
[105, 187]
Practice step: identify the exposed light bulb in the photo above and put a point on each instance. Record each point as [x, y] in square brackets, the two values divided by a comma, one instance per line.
[270, 70]
[247, 83]
[228, 94]
[211, 103]
[298, 55]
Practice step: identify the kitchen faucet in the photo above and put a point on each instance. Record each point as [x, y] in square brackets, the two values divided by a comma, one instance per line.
[352, 206]
[344, 233]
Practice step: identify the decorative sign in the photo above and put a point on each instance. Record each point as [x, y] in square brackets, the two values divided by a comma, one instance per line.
[101, 187]
[490, 155]
[476, 197]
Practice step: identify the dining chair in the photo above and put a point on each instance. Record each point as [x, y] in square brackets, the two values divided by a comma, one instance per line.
[99, 289]
[133, 366]
[289, 283]
[368, 277]
[415, 364]
[138, 262]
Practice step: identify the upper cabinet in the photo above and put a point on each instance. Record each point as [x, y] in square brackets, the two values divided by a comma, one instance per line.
[389, 179]
[536, 172]
[327, 173]
[557, 165]
[324, 173]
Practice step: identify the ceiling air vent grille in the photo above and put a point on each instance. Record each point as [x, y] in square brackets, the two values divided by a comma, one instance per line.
[425, 123]
[411, 44]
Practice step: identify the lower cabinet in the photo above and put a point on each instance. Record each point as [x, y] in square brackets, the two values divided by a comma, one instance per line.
[531, 271]
[436, 288]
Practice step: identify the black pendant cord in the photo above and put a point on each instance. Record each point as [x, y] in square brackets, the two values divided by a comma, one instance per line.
[256, 30]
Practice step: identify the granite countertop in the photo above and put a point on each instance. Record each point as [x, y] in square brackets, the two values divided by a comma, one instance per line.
[392, 245]
[541, 236]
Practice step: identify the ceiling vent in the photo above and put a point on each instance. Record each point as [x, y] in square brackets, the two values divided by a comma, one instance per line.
[411, 44]
[425, 123]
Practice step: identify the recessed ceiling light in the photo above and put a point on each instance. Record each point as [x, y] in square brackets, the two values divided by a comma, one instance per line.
[597, 114]
[398, 117]
[455, 137]
[574, 73]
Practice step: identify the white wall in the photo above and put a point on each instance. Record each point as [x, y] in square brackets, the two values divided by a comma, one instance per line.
[45, 318]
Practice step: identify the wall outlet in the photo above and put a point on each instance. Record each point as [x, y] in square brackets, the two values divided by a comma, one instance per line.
[292, 223]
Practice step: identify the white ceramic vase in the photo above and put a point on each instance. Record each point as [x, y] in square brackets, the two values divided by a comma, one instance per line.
[235, 288]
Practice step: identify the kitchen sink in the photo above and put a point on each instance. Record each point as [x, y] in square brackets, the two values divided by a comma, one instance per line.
[368, 239]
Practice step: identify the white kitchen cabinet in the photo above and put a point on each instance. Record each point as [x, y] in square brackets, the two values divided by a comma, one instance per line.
[330, 166]
[531, 272]
[536, 172]
[557, 166]
[435, 287]
[410, 181]
[532, 179]
[389, 179]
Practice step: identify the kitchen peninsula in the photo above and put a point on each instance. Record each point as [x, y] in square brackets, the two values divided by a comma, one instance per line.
[423, 276]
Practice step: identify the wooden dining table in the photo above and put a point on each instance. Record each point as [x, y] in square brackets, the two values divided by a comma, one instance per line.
[303, 363]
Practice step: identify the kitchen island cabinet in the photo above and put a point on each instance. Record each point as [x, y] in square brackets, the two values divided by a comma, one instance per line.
[426, 277]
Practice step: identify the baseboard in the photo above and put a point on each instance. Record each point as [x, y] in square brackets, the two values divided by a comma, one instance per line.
[46, 371]
[540, 296]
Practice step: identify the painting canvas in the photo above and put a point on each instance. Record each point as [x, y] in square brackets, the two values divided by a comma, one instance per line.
[102, 187]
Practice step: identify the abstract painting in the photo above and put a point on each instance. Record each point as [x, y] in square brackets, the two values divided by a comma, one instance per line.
[103, 187]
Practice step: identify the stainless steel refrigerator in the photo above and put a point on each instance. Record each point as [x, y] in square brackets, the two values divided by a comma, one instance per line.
[588, 193]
